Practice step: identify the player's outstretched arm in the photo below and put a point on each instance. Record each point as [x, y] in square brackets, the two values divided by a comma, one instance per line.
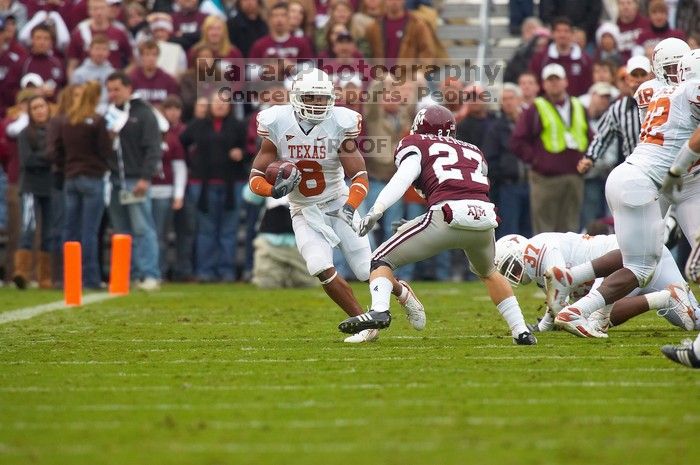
[408, 171]
[354, 167]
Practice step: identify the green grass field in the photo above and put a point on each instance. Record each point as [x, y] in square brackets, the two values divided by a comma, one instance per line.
[235, 375]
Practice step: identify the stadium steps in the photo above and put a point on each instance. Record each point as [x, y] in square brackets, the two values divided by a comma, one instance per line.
[461, 30]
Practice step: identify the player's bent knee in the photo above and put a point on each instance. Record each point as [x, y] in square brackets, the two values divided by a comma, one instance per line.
[643, 273]
[327, 276]
[377, 264]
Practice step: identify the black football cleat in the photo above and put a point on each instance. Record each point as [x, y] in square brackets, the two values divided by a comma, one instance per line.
[533, 327]
[369, 320]
[525, 339]
[685, 355]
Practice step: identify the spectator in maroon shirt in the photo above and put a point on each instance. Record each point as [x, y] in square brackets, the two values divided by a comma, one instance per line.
[401, 34]
[120, 46]
[152, 83]
[565, 52]
[10, 71]
[631, 24]
[187, 22]
[75, 12]
[280, 43]
[659, 28]
[168, 186]
[43, 62]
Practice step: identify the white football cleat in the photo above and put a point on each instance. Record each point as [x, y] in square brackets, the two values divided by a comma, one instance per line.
[415, 312]
[366, 335]
[571, 320]
[680, 311]
[557, 285]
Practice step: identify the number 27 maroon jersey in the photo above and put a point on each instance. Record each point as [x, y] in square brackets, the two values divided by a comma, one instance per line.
[450, 169]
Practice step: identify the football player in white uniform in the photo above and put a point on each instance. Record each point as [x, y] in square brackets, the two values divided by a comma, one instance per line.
[632, 191]
[319, 138]
[664, 63]
[523, 260]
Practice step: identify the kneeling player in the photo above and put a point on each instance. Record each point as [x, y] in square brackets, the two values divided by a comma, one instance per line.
[319, 139]
[452, 176]
[523, 260]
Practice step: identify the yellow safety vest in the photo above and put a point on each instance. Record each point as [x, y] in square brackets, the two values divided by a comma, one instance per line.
[554, 132]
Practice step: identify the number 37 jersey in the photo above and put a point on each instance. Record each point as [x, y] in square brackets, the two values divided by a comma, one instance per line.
[672, 116]
[315, 152]
[450, 169]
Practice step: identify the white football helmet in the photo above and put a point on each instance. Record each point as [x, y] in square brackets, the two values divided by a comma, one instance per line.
[689, 66]
[664, 60]
[509, 259]
[312, 82]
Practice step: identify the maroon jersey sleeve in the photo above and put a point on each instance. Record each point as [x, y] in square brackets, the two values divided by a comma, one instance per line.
[450, 169]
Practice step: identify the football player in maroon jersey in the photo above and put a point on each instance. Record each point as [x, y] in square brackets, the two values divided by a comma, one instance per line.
[451, 175]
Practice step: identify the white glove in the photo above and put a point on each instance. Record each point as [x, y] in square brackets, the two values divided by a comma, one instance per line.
[672, 183]
[345, 214]
[368, 222]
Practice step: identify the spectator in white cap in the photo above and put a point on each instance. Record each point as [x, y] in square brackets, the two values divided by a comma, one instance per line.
[607, 40]
[565, 52]
[551, 136]
[172, 58]
[620, 124]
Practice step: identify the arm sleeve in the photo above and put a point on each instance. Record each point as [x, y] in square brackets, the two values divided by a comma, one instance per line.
[151, 145]
[14, 128]
[408, 171]
[24, 35]
[607, 130]
[179, 178]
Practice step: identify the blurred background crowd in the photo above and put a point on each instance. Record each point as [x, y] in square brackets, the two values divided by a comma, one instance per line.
[103, 128]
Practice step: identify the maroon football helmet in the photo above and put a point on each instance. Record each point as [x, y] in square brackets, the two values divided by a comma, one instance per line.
[434, 119]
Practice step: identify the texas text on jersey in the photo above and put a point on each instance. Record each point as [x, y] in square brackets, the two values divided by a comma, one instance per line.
[450, 169]
[315, 152]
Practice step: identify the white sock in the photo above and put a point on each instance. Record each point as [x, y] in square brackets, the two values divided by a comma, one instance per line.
[546, 322]
[696, 346]
[657, 300]
[582, 273]
[510, 310]
[590, 303]
[380, 288]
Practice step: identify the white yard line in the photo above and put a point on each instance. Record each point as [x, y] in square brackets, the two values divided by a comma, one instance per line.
[30, 312]
[336, 386]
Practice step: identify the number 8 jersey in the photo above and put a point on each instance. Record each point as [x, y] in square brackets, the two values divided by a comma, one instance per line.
[315, 152]
[672, 116]
[450, 169]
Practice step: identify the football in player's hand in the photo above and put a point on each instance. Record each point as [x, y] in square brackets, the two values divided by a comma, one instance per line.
[274, 168]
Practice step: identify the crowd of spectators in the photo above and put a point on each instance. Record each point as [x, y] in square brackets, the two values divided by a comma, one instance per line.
[105, 129]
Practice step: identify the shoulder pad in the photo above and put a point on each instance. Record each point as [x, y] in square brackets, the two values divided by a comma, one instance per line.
[349, 120]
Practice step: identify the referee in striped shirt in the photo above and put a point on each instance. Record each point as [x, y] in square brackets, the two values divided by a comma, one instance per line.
[621, 121]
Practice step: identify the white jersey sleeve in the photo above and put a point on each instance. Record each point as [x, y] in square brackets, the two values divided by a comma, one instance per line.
[645, 93]
[692, 95]
[349, 122]
[266, 123]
